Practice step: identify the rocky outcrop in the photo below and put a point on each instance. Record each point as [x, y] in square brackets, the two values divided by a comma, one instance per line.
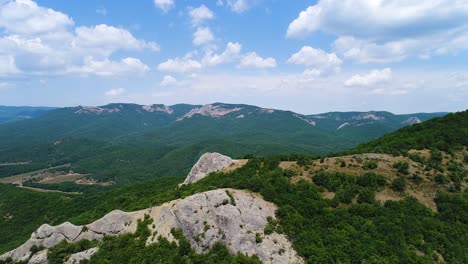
[114, 223]
[310, 122]
[158, 108]
[95, 110]
[80, 256]
[368, 115]
[210, 110]
[235, 218]
[39, 257]
[208, 163]
[411, 121]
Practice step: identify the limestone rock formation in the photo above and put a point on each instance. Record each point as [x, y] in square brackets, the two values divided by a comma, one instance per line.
[233, 217]
[80, 256]
[209, 110]
[114, 223]
[411, 121]
[208, 163]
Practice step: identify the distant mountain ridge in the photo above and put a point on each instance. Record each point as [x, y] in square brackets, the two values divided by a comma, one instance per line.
[15, 113]
[134, 141]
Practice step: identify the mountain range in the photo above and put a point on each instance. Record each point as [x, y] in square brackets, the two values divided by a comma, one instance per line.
[129, 142]
[15, 113]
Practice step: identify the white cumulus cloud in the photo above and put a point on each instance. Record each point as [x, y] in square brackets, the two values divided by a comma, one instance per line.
[164, 5]
[109, 38]
[40, 41]
[231, 53]
[371, 78]
[252, 60]
[202, 36]
[316, 59]
[200, 14]
[115, 92]
[383, 31]
[180, 65]
[26, 17]
[108, 68]
[239, 6]
[168, 80]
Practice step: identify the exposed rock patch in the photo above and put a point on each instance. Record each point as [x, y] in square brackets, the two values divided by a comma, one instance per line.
[411, 121]
[95, 110]
[232, 217]
[310, 122]
[208, 163]
[369, 115]
[114, 223]
[345, 124]
[158, 108]
[80, 256]
[210, 110]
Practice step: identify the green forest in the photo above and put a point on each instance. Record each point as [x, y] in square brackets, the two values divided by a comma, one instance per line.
[352, 227]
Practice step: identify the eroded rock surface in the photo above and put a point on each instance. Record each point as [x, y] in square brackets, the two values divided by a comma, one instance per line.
[235, 218]
[208, 163]
[210, 110]
[80, 256]
[114, 223]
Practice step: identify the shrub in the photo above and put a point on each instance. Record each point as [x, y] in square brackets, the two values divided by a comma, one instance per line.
[441, 179]
[402, 167]
[370, 165]
[366, 196]
[399, 184]
[417, 179]
[372, 181]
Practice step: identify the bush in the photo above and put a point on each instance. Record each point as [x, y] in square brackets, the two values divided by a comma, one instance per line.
[370, 165]
[441, 179]
[417, 179]
[372, 181]
[366, 196]
[399, 184]
[402, 167]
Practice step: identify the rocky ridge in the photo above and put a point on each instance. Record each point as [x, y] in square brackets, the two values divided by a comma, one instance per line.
[236, 218]
[233, 217]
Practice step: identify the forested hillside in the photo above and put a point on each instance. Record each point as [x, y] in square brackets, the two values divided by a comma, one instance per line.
[122, 143]
[443, 133]
[373, 208]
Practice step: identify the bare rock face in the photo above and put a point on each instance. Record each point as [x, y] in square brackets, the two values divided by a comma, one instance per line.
[80, 256]
[208, 163]
[235, 218]
[411, 121]
[214, 111]
[114, 223]
[39, 257]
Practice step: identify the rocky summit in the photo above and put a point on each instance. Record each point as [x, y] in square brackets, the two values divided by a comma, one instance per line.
[236, 218]
[208, 163]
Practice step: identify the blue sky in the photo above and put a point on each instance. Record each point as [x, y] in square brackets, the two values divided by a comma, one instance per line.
[307, 56]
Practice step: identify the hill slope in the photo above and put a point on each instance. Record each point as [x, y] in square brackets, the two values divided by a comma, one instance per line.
[443, 133]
